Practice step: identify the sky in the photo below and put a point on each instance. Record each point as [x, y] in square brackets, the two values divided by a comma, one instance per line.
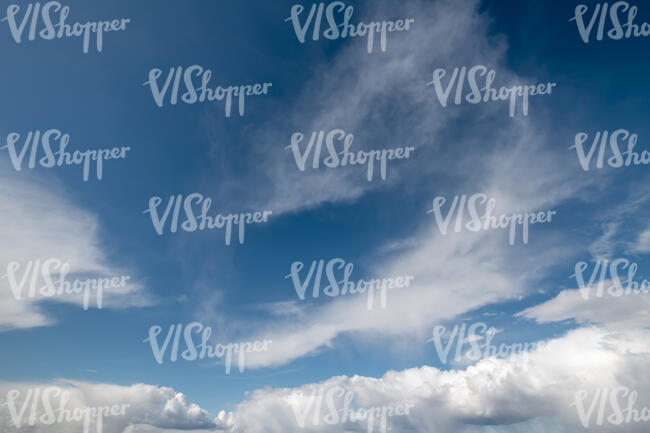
[385, 227]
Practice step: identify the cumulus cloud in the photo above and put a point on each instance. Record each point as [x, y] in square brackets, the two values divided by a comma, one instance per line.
[534, 391]
[142, 407]
[525, 392]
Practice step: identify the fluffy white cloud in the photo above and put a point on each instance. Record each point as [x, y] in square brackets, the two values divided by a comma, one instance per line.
[517, 394]
[145, 408]
[524, 392]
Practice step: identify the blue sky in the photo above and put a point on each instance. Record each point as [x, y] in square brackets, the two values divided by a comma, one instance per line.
[242, 164]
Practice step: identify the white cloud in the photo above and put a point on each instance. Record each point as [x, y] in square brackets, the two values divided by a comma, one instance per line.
[499, 395]
[39, 222]
[626, 311]
[146, 408]
[642, 244]
[456, 273]
[144, 428]
[381, 98]
[613, 219]
[516, 394]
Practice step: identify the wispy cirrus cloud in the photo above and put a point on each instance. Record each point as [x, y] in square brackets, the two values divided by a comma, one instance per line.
[39, 222]
[456, 273]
